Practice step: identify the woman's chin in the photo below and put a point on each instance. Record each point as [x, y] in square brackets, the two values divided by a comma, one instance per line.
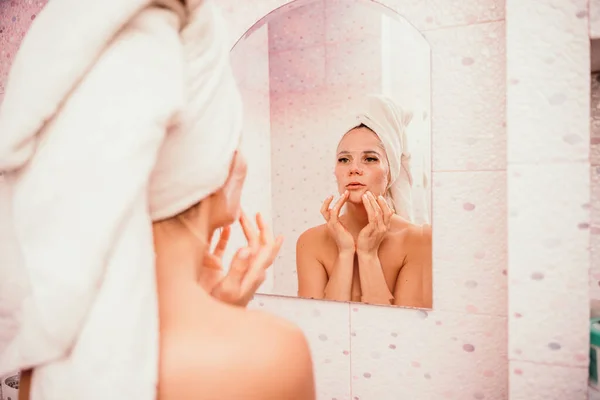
[355, 196]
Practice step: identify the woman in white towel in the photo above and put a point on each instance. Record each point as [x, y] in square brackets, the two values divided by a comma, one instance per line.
[372, 252]
[119, 153]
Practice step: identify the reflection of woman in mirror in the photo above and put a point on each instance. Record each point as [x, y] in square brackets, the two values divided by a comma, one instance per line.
[371, 252]
[120, 163]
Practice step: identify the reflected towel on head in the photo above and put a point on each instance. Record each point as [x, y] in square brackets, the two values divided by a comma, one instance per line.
[129, 115]
[389, 121]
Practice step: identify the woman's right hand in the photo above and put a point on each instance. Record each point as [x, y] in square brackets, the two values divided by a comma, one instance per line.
[343, 238]
[248, 267]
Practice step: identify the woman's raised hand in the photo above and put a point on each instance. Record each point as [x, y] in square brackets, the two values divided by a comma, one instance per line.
[248, 267]
[380, 218]
[343, 238]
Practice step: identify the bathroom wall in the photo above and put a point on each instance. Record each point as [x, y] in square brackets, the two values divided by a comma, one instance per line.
[595, 186]
[548, 108]
[531, 222]
[459, 350]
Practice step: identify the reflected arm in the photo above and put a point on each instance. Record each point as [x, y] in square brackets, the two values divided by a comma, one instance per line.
[414, 283]
[339, 286]
[312, 276]
[372, 281]
[313, 280]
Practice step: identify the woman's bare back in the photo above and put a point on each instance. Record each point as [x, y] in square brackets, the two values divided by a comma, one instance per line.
[211, 350]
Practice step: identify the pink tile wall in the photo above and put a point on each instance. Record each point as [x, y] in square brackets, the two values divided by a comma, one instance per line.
[548, 103]
[15, 18]
[595, 187]
[459, 350]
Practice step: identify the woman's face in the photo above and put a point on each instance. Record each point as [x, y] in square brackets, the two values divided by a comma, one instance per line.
[227, 205]
[361, 164]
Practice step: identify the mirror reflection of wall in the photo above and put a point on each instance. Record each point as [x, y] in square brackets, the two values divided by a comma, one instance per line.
[305, 72]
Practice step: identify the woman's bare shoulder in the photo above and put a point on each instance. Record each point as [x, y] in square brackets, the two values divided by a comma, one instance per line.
[407, 231]
[255, 349]
[312, 236]
[279, 341]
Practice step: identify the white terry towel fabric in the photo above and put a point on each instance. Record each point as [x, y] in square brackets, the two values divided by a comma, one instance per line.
[127, 114]
[389, 122]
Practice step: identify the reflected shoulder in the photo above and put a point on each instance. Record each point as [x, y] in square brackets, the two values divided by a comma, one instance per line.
[312, 236]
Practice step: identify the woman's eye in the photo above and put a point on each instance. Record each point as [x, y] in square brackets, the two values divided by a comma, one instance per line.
[342, 160]
[371, 159]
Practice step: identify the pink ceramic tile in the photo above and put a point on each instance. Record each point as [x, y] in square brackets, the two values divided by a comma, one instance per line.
[297, 28]
[549, 226]
[410, 354]
[355, 63]
[595, 234]
[548, 325]
[469, 242]
[352, 20]
[468, 105]
[297, 70]
[529, 381]
[326, 326]
[15, 18]
[595, 120]
[594, 18]
[436, 14]
[548, 91]
[549, 260]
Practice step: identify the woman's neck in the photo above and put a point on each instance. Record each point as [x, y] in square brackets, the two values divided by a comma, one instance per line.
[180, 245]
[356, 218]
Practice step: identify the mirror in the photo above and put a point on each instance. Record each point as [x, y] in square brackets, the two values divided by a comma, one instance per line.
[337, 98]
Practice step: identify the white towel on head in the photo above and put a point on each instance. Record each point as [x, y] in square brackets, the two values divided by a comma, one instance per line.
[126, 116]
[389, 121]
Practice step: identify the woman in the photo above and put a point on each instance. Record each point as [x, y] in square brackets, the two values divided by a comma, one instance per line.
[120, 161]
[372, 252]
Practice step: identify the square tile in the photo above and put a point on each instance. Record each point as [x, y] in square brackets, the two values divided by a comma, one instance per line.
[530, 381]
[298, 28]
[469, 97]
[548, 94]
[412, 354]
[549, 326]
[469, 242]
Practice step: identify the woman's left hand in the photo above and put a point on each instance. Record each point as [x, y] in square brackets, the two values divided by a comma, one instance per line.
[380, 217]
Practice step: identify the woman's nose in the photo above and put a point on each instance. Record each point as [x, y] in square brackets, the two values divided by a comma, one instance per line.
[355, 170]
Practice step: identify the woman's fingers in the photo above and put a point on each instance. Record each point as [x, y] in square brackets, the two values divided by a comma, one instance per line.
[222, 243]
[386, 209]
[266, 234]
[377, 211]
[251, 235]
[257, 272]
[325, 208]
[335, 211]
[240, 264]
[371, 215]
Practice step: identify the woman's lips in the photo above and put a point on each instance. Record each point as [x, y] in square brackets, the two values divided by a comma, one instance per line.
[354, 186]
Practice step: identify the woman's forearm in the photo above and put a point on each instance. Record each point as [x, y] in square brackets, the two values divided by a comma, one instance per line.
[339, 286]
[372, 281]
